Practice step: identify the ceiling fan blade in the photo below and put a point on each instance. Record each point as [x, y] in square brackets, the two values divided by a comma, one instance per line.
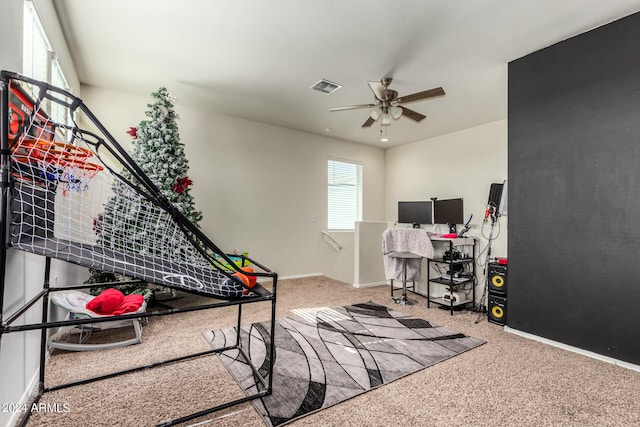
[368, 123]
[352, 107]
[413, 115]
[378, 89]
[438, 91]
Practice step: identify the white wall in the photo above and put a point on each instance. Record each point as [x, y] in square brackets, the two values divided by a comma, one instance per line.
[460, 164]
[15, 370]
[11, 36]
[369, 262]
[259, 186]
[19, 352]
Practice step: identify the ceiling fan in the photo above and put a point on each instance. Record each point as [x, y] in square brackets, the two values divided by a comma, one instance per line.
[388, 104]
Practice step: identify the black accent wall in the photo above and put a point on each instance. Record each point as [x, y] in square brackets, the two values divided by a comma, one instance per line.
[574, 191]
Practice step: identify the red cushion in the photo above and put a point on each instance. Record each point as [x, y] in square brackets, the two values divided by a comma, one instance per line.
[106, 302]
[131, 304]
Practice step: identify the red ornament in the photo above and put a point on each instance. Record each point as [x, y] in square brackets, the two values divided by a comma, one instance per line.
[133, 132]
[181, 185]
[97, 224]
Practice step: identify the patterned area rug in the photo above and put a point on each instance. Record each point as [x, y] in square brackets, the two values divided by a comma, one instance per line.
[327, 355]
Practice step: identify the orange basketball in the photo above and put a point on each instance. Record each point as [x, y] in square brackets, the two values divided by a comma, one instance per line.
[243, 278]
[252, 279]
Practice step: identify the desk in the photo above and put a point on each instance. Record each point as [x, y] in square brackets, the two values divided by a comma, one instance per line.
[404, 256]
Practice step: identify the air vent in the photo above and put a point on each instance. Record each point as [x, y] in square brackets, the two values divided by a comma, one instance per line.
[325, 86]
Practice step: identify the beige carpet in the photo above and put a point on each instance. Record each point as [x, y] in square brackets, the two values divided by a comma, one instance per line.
[510, 381]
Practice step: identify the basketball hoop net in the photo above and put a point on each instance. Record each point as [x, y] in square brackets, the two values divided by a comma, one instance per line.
[57, 162]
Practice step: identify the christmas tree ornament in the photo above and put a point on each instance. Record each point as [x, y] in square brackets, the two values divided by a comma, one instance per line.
[133, 132]
[182, 185]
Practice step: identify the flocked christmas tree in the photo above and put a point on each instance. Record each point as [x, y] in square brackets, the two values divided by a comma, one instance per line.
[160, 154]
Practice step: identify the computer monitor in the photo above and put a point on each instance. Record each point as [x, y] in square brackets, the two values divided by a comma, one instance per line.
[450, 212]
[415, 213]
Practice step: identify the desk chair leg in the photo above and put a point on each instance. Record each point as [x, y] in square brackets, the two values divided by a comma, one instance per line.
[403, 300]
[412, 288]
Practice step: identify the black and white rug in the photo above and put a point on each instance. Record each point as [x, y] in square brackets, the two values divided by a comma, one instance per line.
[327, 355]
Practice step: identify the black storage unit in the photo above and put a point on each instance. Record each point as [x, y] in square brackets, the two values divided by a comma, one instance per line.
[457, 255]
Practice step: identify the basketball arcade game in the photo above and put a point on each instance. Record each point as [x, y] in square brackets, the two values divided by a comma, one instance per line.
[57, 180]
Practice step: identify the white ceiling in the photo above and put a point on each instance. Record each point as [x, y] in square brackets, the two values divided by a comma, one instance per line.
[256, 59]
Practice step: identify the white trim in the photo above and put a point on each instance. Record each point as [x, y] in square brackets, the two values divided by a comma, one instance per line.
[567, 347]
[370, 285]
[25, 398]
[345, 160]
[300, 276]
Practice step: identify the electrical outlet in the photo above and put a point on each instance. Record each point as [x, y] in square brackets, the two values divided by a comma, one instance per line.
[314, 218]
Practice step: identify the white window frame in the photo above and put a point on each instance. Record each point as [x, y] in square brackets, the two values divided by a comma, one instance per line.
[58, 113]
[41, 62]
[37, 49]
[344, 194]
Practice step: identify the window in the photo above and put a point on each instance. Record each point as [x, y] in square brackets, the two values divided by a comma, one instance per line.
[37, 51]
[41, 63]
[344, 194]
[58, 112]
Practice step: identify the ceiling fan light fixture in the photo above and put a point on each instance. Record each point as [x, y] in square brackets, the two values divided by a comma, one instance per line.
[389, 106]
[376, 113]
[396, 112]
[383, 135]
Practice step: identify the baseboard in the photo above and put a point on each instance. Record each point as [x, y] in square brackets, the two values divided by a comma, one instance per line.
[567, 347]
[300, 276]
[25, 399]
[369, 285]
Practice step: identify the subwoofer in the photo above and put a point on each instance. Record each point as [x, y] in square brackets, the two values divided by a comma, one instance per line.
[497, 278]
[497, 309]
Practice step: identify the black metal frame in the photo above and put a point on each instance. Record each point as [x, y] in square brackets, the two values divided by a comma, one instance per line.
[411, 288]
[265, 385]
[450, 262]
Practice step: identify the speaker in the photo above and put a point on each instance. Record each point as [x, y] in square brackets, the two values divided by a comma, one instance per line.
[497, 278]
[497, 309]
